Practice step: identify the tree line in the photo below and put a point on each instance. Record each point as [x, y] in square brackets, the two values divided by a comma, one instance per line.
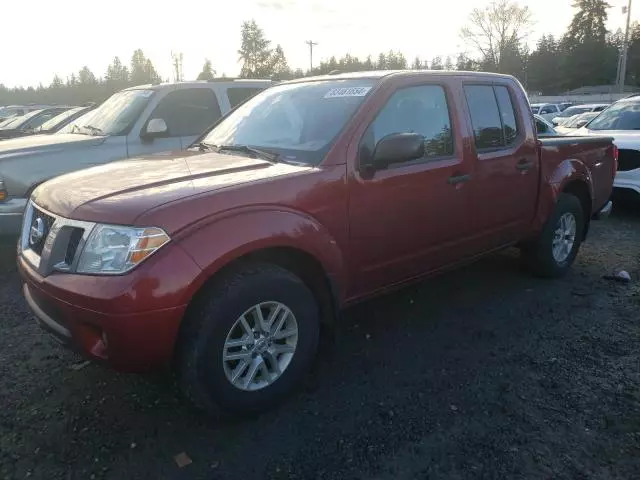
[496, 35]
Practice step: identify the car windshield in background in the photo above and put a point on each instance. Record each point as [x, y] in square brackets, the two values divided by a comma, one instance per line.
[18, 121]
[571, 111]
[573, 123]
[58, 119]
[298, 121]
[619, 116]
[114, 116]
[535, 110]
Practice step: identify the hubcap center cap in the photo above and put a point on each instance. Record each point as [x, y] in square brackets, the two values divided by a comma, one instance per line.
[261, 345]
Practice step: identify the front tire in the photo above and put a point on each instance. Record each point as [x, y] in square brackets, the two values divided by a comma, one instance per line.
[555, 250]
[249, 341]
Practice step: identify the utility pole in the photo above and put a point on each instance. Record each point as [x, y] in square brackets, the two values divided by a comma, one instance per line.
[177, 65]
[311, 44]
[625, 47]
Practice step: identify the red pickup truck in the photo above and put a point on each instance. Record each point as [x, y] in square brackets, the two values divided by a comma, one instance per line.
[224, 260]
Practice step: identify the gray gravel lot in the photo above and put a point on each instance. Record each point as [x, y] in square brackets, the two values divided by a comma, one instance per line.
[481, 373]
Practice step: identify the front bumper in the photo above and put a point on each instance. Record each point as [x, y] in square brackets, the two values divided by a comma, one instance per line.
[113, 320]
[11, 213]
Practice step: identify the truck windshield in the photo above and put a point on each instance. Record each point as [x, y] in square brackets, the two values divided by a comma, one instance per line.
[298, 121]
[114, 117]
[623, 115]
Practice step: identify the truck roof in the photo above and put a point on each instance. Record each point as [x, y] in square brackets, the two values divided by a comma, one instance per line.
[230, 81]
[399, 73]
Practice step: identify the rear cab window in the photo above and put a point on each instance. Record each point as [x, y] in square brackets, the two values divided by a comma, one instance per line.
[493, 117]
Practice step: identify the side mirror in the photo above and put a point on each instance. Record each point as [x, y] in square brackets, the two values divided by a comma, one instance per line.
[581, 123]
[156, 128]
[397, 148]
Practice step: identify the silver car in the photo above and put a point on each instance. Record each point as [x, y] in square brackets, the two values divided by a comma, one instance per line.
[134, 122]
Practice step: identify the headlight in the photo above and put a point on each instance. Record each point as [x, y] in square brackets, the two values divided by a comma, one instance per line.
[112, 249]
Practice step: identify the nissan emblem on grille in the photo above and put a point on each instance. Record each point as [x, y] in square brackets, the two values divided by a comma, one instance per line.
[37, 231]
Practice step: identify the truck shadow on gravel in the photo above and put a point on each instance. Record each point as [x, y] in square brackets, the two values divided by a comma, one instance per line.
[484, 372]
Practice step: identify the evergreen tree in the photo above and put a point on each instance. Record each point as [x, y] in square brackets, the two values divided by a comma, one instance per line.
[254, 52]
[207, 73]
[279, 66]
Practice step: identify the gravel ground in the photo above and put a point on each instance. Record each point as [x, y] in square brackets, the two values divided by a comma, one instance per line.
[481, 373]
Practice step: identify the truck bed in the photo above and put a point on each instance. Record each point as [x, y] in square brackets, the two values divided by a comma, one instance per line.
[563, 154]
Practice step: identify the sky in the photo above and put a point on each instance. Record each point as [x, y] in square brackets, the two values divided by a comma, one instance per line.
[41, 38]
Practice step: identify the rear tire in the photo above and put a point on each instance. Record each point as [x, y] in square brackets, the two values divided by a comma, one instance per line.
[232, 320]
[555, 250]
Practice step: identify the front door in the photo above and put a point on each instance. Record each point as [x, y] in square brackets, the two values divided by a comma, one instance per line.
[505, 186]
[410, 217]
[187, 113]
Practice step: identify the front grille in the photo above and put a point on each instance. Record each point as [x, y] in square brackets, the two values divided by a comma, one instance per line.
[628, 160]
[50, 242]
[38, 232]
[74, 241]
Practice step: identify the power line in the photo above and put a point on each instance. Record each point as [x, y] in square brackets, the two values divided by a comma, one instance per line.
[311, 44]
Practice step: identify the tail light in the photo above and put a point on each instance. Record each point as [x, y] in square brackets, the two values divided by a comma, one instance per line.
[3, 192]
[615, 159]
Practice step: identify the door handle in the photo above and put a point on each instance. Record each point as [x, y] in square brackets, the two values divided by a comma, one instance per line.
[458, 179]
[524, 165]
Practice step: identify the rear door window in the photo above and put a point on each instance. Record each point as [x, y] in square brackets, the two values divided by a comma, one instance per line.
[492, 116]
[189, 111]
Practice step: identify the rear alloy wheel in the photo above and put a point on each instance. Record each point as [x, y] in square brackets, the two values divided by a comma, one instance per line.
[564, 237]
[555, 250]
[249, 340]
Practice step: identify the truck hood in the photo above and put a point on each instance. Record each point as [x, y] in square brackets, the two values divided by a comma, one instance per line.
[45, 143]
[120, 192]
[626, 139]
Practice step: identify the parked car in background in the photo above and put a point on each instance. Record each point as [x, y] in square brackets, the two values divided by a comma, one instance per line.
[19, 110]
[622, 122]
[564, 105]
[27, 123]
[544, 127]
[137, 121]
[59, 121]
[12, 111]
[577, 121]
[546, 110]
[223, 260]
[577, 110]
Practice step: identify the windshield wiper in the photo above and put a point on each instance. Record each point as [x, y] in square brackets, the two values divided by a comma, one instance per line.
[94, 130]
[269, 156]
[75, 128]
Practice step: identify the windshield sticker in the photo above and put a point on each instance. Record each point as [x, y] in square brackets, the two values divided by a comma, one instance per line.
[347, 92]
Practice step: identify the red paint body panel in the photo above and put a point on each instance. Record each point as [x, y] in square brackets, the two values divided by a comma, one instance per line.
[368, 232]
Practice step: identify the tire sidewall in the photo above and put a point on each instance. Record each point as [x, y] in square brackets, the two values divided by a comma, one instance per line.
[222, 315]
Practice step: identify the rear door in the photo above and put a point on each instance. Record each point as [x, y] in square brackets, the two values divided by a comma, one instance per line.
[410, 217]
[505, 186]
